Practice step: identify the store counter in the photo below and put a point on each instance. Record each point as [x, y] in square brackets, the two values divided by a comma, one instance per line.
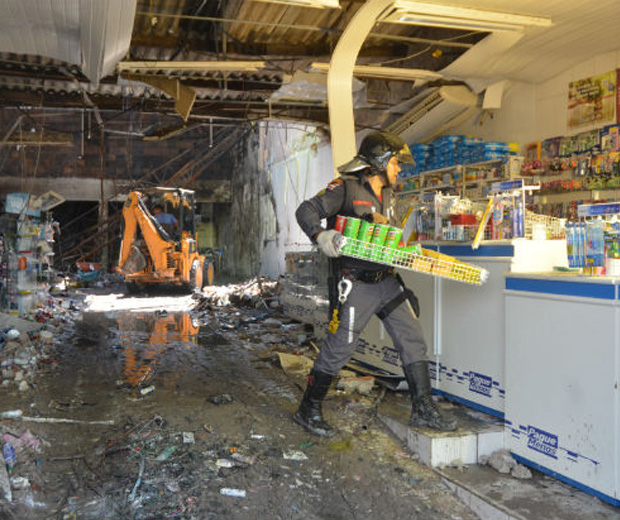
[463, 324]
[468, 321]
[562, 370]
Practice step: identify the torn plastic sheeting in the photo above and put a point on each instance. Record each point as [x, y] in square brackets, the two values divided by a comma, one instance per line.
[312, 86]
[26, 439]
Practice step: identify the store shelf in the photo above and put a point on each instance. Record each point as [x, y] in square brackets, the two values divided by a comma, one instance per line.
[459, 186]
[570, 196]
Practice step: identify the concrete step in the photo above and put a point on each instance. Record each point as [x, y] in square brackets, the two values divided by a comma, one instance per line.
[490, 494]
[478, 435]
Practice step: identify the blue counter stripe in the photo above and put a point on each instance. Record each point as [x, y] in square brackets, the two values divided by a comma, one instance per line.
[610, 500]
[583, 289]
[505, 250]
[471, 404]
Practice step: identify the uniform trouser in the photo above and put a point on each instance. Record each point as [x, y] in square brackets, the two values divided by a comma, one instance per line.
[365, 300]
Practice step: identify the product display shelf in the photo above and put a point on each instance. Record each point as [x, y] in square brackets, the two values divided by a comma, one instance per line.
[428, 262]
[458, 177]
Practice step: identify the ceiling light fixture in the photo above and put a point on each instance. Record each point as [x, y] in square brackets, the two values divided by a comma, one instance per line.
[372, 71]
[213, 66]
[452, 17]
[320, 4]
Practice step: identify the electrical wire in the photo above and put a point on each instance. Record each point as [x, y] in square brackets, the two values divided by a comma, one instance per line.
[411, 56]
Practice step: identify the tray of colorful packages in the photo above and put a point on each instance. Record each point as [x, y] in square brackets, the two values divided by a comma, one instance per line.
[382, 244]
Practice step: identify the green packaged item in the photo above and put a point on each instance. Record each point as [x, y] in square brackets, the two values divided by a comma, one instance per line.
[365, 237]
[393, 237]
[379, 234]
[391, 243]
[352, 227]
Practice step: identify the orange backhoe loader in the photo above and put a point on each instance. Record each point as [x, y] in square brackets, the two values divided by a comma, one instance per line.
[155, 252]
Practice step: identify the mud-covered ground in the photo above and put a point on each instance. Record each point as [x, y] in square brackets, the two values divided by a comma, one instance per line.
[168, 409]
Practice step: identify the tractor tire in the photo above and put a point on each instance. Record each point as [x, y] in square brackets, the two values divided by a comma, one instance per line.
[208, 273]
[195, 278]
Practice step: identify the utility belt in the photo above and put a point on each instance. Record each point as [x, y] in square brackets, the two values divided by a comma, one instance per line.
[367, 276]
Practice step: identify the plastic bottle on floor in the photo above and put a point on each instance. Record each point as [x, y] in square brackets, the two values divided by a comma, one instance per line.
[10, 459]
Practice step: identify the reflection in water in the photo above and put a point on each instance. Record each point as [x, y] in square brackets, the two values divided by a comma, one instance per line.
[144, 338]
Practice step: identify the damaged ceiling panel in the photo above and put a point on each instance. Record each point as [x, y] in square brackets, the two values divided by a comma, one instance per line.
[93, 35]
[105, 35]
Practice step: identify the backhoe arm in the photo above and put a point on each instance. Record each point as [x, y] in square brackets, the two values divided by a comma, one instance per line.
[137, 215]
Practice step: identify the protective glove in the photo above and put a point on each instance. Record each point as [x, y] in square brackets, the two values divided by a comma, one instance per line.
[327, 241]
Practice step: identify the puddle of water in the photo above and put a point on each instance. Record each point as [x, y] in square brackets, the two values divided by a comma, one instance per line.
[150, 343]
[173, 350]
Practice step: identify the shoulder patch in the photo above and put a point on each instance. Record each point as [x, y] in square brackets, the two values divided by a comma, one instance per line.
[334, 184]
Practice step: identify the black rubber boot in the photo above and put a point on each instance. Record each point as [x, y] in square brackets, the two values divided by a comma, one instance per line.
[310, 415]
[425, 411]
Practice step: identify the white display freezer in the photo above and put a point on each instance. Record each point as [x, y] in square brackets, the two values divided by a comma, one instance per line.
[562, 408]
[469, 320]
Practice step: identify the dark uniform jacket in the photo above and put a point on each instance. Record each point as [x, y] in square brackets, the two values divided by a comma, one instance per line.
[349, 195]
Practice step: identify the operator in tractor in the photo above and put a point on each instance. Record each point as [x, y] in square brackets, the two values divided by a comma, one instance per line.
[167, 220]
[364, 190]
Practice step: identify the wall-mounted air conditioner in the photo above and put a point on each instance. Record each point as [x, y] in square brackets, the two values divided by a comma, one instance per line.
[434, 112]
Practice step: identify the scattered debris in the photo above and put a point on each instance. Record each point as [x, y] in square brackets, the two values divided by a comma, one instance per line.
[221, 399]
[521, 472]
[362, 385]
[230, 492]
[5, 484]
[142, 466]
[147, 390]
[502, 461]
[295, 455]
[295, 365]
[257, 293]
[63, 420]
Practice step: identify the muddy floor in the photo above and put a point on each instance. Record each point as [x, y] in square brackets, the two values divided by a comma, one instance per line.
[170, 412]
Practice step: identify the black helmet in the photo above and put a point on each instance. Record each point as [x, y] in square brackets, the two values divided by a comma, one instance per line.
[375, 152]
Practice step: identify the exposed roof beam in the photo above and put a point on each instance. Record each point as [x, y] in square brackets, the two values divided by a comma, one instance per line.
[310, 28]
[230, 110]
[204, 66]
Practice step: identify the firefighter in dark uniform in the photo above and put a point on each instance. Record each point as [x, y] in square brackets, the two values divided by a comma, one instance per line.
[364, 190]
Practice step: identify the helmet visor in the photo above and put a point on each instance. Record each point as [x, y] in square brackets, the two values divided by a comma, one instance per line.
[354, 165]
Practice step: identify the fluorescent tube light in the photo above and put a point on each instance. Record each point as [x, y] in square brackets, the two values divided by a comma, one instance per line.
[439, 15]
[371, 71]
[320, 4]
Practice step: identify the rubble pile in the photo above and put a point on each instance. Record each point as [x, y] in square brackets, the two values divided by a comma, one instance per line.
[257, 293]
[28, 345]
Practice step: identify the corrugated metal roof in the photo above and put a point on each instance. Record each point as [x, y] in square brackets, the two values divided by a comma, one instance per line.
[287, 38]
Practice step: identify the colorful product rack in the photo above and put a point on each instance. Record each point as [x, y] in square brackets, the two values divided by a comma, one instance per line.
[420, 260]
